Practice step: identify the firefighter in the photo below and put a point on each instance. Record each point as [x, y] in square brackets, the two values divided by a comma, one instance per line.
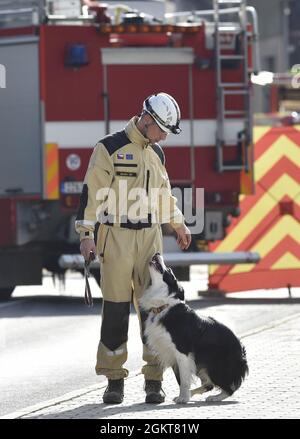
[127, 239]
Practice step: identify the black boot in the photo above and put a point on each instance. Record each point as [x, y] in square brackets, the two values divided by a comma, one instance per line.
[154, 392]
[114, 392]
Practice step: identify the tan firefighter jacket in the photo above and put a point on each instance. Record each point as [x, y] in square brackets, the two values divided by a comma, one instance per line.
[126, 182]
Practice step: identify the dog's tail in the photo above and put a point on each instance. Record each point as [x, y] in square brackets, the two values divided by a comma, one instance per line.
[238, 369]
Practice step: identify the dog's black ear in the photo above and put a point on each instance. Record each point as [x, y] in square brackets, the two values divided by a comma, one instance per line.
[174, 287]
[169, 277]
[180, 293]
[172, 275]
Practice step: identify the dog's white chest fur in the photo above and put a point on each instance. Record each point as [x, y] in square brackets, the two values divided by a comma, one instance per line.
[160, 341]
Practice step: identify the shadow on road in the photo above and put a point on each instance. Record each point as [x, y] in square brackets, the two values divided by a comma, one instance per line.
[100, 411]
[37, 306]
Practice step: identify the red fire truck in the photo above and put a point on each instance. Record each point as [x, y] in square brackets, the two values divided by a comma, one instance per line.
[69, 80]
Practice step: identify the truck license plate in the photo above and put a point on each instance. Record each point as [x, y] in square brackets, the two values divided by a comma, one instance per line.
[71, 187]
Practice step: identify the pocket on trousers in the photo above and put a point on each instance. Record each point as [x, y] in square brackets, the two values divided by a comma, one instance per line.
[103, 241]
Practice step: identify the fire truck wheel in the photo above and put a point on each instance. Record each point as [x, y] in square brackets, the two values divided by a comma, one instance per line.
[5, 293]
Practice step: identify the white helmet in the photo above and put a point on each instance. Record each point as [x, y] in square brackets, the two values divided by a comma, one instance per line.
[165, 111]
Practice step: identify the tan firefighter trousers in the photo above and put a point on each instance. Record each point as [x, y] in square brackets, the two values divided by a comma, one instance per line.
[124, 258]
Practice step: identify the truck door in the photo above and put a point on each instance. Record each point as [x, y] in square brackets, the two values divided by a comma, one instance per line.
[20, 118]
[131, 74]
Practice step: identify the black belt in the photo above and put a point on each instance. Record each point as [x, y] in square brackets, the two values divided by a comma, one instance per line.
[138, 225]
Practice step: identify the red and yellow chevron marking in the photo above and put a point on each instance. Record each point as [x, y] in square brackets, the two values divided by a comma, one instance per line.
[247, 178]
[270, 220]
[51, 171]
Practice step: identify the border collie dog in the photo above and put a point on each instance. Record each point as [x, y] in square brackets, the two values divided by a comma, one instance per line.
[193, 346]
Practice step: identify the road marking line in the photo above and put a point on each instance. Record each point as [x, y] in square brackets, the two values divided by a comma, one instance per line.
[4, 305]
[269, 326]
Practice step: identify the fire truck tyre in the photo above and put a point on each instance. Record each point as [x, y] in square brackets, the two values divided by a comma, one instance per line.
[5, 293]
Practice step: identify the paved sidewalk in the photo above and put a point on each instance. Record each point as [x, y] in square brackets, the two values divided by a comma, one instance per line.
[272, 389]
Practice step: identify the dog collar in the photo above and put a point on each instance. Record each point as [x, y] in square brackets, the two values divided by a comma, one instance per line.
[159, 309]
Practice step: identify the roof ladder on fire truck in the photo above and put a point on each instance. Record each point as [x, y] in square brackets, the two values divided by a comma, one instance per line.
[227, 89]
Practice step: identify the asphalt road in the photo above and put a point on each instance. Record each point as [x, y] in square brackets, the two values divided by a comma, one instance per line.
[48, 340]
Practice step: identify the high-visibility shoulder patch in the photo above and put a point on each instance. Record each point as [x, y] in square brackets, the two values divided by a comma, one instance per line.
[115, 141]
[158, 149]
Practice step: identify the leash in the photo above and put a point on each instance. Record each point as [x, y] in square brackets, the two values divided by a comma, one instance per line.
[88, 299]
